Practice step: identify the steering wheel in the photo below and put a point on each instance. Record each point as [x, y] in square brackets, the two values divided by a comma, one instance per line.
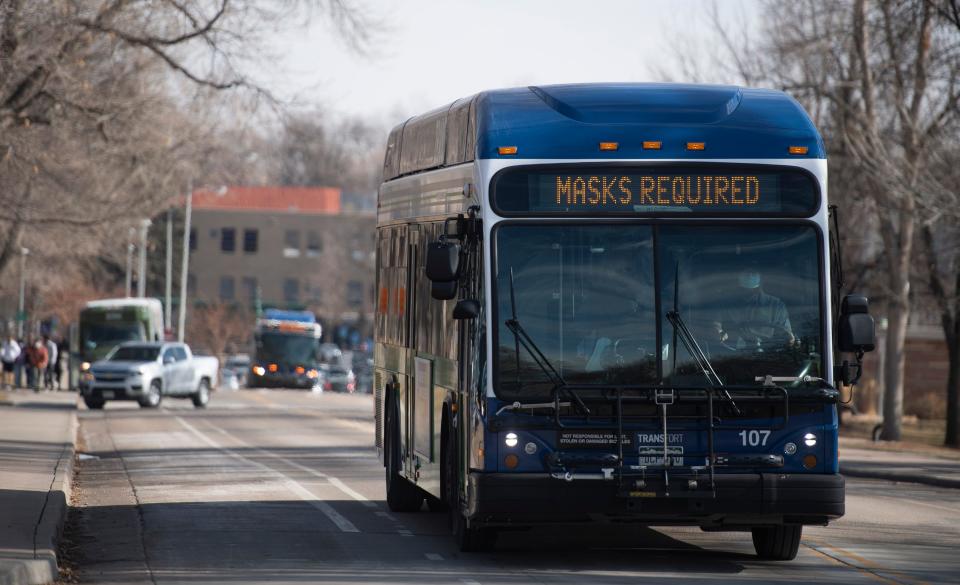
[776, 335]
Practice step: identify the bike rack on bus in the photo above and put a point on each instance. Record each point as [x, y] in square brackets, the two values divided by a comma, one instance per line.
[664, 397]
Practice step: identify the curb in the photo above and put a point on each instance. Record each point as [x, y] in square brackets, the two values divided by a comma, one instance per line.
[43, 567]
[931, 480]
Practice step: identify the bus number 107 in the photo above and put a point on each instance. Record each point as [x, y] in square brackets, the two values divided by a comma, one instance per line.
[754, 438]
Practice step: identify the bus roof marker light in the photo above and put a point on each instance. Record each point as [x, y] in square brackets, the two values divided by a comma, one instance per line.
[609, 146]
[696, 145]
[503, 150]
[798, 150]
[652, 144]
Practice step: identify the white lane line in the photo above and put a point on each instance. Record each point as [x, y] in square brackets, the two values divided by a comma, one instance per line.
[303, 493]
[470, 582]
[433, 557]
[335, 482]
[404, 532]
[386, 515]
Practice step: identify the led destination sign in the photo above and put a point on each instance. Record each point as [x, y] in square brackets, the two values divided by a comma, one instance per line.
[699, 190]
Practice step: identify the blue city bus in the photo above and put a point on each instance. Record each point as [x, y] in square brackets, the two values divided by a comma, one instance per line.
[613, 303]
[287, 347]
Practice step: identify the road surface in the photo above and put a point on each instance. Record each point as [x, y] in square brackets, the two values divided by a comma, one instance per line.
[284, 487]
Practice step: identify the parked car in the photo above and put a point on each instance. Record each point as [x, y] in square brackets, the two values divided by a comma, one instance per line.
[147, 372]
[239, 364]
[338, 377]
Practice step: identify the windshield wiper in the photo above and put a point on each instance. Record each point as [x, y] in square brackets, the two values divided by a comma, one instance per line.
[690, 342]
[523, 339]
[703, 362]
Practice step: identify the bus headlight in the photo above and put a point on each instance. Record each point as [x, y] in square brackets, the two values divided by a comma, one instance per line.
[511, 440]
[258, 370]
[809, 439]
[84, 366]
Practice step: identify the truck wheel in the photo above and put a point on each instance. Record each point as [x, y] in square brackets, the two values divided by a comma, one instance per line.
[93, 402]
[201, 397]
[153, 397]
[777, 543]
[468, 538]
[402, 496]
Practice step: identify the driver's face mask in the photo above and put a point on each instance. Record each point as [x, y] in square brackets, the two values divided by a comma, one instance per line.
[749, 279]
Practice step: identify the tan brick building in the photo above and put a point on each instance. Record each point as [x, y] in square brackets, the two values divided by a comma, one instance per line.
[294, 247]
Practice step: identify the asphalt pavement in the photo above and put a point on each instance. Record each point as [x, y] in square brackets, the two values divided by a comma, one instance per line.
[284, 487]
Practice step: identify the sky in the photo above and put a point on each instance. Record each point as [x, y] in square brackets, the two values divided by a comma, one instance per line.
[431, 52]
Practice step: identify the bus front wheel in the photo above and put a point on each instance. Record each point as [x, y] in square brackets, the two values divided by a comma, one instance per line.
[402, 496]
[777, 543]
[468, 538]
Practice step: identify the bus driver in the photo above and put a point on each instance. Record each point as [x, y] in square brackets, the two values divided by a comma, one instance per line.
[759, 317]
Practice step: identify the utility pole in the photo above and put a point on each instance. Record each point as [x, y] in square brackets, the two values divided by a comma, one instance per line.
[168, 314]
[21, 312]
[129, 281]
[185, 265]
[142, 269]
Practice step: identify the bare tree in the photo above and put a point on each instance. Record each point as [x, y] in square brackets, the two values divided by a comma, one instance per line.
[220, 328]
[98, 117]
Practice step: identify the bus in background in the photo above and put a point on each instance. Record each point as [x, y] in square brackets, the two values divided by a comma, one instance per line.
[107, 323]
[286, 350]
[613, 303]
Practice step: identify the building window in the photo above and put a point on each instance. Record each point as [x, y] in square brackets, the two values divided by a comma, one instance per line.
[314, 245]
[291, 244]
[191, 285]
[228, 240]
[227, 292]
[249, 285]
[250, 241]
[193, 239]
[355, 293]
[291, 290]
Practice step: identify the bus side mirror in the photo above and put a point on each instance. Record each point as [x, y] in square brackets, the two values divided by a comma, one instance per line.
[443, 261]
[466, 309]
[443, 290]
[857, 332]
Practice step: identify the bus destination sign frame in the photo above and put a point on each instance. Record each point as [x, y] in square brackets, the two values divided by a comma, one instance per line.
[690, 190]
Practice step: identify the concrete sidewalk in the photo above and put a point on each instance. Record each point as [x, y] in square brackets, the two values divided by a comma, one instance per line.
[914, 464]
[37, 433]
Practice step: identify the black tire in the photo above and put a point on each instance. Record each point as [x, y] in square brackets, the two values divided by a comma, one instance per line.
[402, 496]
[201, 397]
[153, 397]
[468, 537]
[777, 543]
[94, 403]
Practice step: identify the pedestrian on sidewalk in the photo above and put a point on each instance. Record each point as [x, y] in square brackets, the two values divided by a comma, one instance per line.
[39, 360]
[20, 366]
[50, 373]
[9, 353]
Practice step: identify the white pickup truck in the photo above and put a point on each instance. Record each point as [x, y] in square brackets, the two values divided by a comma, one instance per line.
[148, 371]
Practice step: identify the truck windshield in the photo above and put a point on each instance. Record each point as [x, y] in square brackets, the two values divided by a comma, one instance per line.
[588, 297]
[286, 349]
[134, 354]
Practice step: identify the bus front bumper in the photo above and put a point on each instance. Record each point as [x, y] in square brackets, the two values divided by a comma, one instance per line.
[739, 500]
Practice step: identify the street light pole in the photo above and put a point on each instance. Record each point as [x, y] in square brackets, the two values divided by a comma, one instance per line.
[185, 265]
[142, 269]
[21, 314]
[129, 281]
[167, 316]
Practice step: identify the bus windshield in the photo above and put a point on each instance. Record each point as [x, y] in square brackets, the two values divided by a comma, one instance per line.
[287, 349]
[588, 297]
[98, 335]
